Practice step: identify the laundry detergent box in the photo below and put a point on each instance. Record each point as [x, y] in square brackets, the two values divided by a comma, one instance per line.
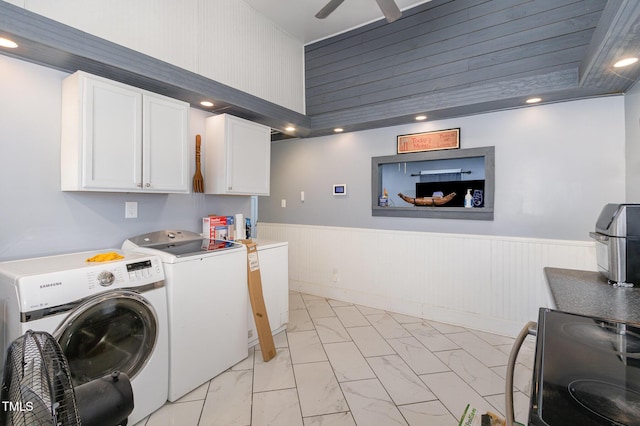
[218, 227]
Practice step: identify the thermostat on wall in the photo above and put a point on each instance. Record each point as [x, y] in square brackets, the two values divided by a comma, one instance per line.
[340, 189]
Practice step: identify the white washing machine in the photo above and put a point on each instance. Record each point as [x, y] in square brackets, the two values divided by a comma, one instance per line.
[107, 316]
[206, 282]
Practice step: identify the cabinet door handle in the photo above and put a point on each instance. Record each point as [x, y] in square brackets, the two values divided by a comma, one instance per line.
[230, 188]
[139, 184]
[148, 184]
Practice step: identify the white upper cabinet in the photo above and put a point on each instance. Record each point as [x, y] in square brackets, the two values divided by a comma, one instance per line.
[237, 156]
[120, 138]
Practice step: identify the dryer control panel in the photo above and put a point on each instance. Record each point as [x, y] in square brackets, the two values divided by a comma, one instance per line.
[144, 269]
[59, 281]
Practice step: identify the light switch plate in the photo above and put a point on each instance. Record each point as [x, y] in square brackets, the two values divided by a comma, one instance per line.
[130, 209]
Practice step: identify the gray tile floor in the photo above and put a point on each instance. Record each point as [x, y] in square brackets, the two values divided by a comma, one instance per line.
[345, 364]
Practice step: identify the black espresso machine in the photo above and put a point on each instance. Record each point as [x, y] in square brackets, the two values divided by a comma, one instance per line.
[617, 239]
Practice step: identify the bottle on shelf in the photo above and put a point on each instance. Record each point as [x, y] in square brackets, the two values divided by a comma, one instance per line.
[468, 199]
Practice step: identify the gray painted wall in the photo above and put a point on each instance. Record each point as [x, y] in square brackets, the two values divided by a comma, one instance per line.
[36, 218]
[556, 166]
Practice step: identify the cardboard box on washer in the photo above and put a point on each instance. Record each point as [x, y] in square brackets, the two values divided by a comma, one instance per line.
[218, 227]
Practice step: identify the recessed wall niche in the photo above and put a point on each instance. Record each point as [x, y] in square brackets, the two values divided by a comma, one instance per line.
[435, 173]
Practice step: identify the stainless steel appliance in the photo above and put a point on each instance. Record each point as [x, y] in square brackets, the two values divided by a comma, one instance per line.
[617, 238]
[586, 372]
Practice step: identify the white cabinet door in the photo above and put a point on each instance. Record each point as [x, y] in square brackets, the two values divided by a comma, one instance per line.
[112, 139]
[101, 135]
[164, 144]
[248, 158]
[237, 156]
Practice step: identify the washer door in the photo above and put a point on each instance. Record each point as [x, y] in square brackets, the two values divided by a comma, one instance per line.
[115, 331]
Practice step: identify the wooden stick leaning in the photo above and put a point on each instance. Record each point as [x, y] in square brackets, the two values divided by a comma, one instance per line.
[258, 307]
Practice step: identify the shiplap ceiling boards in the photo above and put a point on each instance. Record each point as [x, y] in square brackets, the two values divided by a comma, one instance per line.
[454, 58]
[442, 58]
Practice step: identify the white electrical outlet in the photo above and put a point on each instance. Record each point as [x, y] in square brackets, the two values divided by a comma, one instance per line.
[283, 203]
[130, 209]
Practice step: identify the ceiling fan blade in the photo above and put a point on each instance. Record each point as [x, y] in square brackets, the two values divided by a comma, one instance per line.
[330, 7]
[389, 9]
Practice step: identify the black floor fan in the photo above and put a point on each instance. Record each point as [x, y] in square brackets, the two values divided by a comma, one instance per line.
[37, 389]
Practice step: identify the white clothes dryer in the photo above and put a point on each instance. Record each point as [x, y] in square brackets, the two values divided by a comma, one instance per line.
[207, 295]
[107, 316]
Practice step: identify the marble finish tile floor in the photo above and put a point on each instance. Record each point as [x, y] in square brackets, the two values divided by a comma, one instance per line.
[343, 364]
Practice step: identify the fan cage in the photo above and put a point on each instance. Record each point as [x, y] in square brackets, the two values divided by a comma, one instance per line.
[37, 388]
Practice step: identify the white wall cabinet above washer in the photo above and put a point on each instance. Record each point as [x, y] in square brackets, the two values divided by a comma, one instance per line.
[237, 156]
[119, 138]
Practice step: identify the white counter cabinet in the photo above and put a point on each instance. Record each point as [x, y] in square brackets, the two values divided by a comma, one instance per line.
[273, 258]
[237, 156]
[120, 138]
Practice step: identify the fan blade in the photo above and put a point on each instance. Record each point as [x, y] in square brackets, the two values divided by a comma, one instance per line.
[389, 9]
[330, 7]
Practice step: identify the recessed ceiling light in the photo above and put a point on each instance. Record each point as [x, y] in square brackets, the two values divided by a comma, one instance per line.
[5, 42]
[338, 130]
[625, 62]
[421, 117]
[206, 104]
[533, 100]
[290, 129]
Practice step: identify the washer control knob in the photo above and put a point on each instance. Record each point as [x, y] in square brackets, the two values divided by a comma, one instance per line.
[106, 278]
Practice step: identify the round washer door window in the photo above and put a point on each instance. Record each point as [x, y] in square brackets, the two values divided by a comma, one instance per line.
[116, 331]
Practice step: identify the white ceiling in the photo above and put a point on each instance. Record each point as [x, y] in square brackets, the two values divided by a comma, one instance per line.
[297, 17]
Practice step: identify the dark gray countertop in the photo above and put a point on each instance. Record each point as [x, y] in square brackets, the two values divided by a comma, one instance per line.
[588, 293]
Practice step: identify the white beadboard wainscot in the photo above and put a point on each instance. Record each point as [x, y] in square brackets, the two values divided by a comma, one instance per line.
[489, 283]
